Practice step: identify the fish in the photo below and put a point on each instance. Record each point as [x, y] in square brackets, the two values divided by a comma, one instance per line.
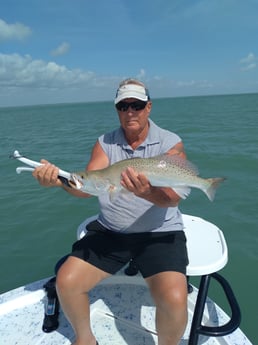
[162, 171]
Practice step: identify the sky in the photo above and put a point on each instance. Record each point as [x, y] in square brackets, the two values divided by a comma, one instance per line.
[65, 51]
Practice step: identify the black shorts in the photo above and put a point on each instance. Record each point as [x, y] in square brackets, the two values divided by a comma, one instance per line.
[152, 252]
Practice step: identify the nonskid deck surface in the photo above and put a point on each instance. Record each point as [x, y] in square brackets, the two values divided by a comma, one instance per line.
[121, 314]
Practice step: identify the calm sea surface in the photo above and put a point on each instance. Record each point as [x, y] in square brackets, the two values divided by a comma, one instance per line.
[38, 225]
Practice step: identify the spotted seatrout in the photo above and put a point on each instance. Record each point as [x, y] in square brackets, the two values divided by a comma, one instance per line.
[162, 171]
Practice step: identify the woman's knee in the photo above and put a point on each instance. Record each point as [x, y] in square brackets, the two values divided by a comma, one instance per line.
[175, 298]
[169, 293]
[78, 275]
[66, 277]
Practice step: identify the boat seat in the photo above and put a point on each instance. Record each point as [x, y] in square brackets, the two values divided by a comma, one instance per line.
[208, 254]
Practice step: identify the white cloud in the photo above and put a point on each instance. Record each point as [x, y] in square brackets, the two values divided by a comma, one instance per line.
[23, 71]
[250, 58]
[249, 67]
[61, 49]
[186, 83]
[249, 62]
[16, 31]
[141, 75]
[196, 83]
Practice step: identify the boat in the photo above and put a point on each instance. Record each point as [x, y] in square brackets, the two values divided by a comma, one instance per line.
[122, 310]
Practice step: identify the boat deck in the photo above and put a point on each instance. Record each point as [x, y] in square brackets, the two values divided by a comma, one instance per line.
[122, 313]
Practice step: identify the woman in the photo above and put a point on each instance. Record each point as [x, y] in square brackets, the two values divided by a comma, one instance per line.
[146, 227]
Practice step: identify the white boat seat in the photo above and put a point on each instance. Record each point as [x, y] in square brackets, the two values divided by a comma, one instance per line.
[208, 253]
[206, 245]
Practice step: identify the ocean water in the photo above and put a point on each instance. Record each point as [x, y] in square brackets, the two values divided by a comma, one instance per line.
[38, 225]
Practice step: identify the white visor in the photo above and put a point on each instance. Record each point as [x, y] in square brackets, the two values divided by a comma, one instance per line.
[132, 91]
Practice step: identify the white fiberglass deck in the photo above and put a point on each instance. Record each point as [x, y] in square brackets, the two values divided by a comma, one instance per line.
[122, 313]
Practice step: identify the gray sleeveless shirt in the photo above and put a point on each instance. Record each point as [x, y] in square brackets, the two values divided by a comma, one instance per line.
[128, 213]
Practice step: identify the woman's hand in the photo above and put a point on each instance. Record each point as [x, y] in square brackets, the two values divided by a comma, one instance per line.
[47, 174]
[136, 183]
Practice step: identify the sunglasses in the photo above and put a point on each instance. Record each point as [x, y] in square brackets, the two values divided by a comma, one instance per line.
[137, 105]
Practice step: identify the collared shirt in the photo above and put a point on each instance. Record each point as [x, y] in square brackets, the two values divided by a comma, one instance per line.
[128, 213]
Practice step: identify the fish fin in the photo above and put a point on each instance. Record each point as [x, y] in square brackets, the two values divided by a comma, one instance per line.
[112, 190]
[178, 161]
[183, 192]
[127, 195]
[214, 184]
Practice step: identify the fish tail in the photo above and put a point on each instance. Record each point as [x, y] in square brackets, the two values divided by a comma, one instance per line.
[212, 187]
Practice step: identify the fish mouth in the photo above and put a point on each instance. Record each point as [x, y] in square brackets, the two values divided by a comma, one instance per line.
[75, 182]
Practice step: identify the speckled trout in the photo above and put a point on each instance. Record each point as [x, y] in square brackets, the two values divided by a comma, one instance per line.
[161, 171]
